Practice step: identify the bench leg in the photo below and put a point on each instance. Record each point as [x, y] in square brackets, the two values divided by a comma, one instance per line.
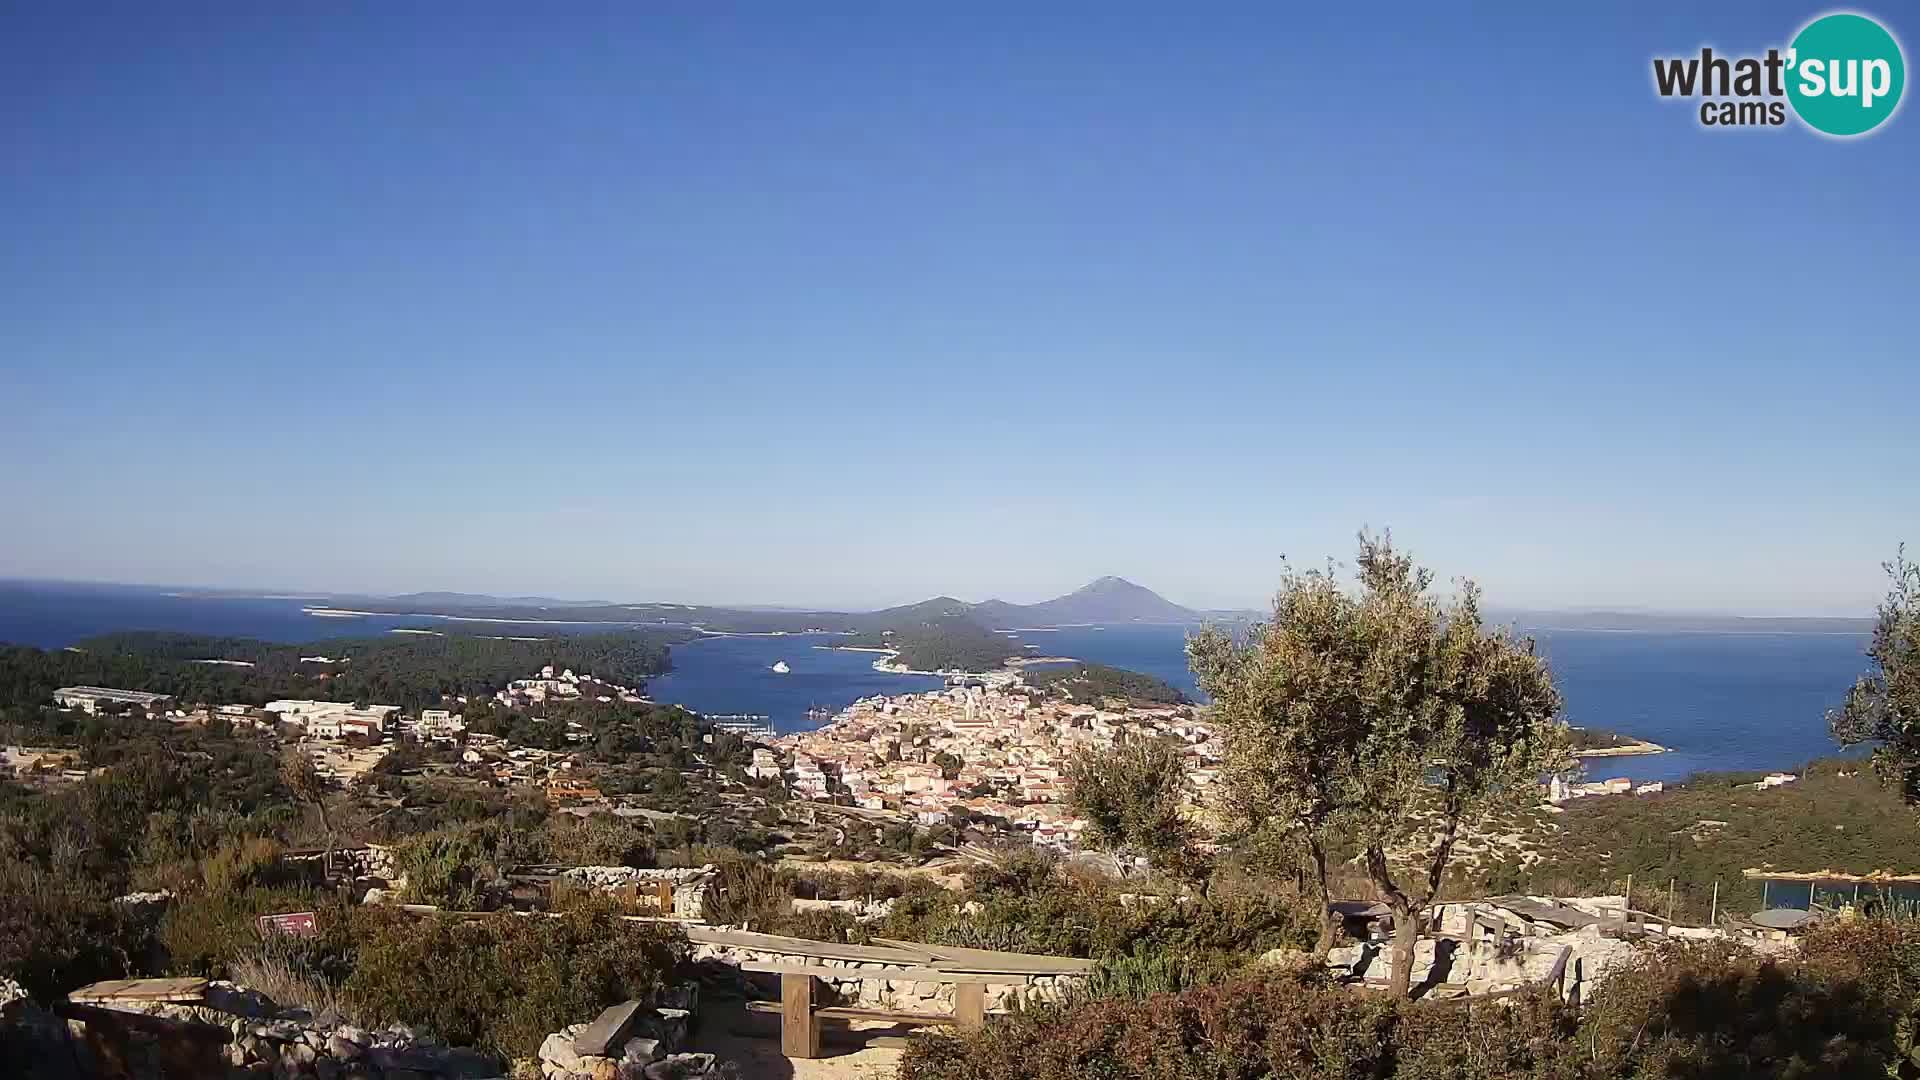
[970, 1006]
[799, 1028]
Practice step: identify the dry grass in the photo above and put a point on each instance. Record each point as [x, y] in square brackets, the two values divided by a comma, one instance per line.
[262, 968]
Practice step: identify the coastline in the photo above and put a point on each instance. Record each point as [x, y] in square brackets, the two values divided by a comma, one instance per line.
[1637, 748]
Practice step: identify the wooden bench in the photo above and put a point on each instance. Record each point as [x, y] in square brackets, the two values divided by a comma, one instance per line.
[800, 1016]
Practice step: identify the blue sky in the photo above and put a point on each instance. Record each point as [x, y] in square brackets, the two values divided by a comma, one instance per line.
[727, 303]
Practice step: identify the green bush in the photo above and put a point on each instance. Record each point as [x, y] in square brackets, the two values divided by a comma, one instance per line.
[59, 932]
[503, 982]
[458, 866]
[201, 931]
[599, 840]
[1028, 906]
[1685, 1011]
[1279, 1027]
[746, 892]
[1715, 1009]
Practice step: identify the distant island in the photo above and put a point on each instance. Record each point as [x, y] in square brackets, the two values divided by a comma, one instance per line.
[942, 643]
[410, 670]
[943, 634]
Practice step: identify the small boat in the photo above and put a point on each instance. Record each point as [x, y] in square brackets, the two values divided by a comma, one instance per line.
[780, 667]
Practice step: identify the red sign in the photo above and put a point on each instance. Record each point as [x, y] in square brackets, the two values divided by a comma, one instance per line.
[292, 924]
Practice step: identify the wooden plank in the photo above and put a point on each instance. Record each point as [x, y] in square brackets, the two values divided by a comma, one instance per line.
[165, 990]
[841, 1012]
[956, 958]
[915, 974]
[799, 1030]
[845, 1012]
[608, 1032]
[970, 1006]
[1557, 914]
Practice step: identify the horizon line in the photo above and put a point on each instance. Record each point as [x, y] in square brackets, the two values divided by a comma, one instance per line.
[265, 593]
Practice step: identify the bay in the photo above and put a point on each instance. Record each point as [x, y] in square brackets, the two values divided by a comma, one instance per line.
[1720, 701]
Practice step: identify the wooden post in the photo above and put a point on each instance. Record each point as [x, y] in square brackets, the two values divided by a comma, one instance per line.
[799, 1028]
[1714, 918]
[1669, 905]
[664, 894]
[970, 1006]
[1626, 906]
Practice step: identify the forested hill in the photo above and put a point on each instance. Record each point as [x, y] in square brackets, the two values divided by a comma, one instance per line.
[410, 670]
[1098, 683]
[947, 643]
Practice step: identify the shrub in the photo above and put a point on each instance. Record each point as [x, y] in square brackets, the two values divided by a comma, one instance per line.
[745, 892]
[1715, 1009]
[242, 864]
[1304, 1030]
[58, 932]
[455, 867]
[503, 982]
[599, 840]
[202, 931]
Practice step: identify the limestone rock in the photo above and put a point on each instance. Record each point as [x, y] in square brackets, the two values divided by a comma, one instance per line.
[641, 1051]
[1292, 960]
[557, 1051]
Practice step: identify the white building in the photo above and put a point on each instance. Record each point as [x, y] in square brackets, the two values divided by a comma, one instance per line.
[88, 699]
[319, 717]
[439, 725]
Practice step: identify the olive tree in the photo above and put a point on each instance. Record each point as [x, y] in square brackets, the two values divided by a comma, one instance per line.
[304, 782]
[1385, 717]
[1130, 794]
[1285, 726]
[1884, 705]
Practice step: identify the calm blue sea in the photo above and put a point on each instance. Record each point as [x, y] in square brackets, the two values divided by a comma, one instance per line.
[1721, 701]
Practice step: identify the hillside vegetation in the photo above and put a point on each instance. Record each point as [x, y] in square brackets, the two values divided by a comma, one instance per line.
[1096, 683]
[1837, 816]
[410, 670]
[939, 643]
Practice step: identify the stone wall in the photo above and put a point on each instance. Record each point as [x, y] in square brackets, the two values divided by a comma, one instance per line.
[1528, 955]
[689, 884]
[866, 984]
[291, 1043]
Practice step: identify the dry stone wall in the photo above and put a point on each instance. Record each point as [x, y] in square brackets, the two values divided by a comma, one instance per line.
[867, 984]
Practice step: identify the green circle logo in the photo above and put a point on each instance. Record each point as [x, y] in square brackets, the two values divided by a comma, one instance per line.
[1845, 74]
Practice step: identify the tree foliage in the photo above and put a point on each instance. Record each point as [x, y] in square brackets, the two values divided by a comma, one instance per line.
[1385, 713]
[1884, 705]
[1130, 794]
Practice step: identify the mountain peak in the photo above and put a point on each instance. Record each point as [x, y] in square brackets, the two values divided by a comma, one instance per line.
[1109, 584]
[1109, 599]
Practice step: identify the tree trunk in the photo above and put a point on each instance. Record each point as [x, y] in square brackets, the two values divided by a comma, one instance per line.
[1406, 928]
[1406, 934]
[1327, 923]
[326, 824]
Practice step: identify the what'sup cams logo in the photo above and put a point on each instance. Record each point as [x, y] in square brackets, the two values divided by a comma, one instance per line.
[1842, 76]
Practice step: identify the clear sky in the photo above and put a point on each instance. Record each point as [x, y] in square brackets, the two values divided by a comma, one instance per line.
[726, 303]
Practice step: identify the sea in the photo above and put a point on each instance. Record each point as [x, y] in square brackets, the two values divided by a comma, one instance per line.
[1720, 701]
